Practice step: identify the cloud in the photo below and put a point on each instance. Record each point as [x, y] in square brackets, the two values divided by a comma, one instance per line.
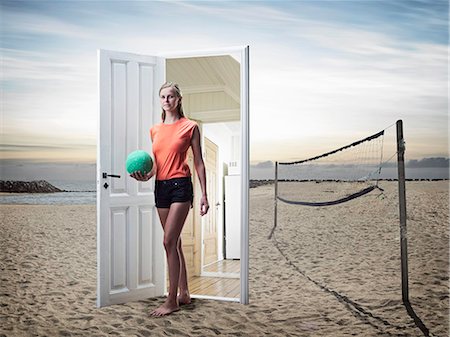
[33, 147]
[429, 162]
[48, 67]
[315, 80]
[33, 24]
[252, 12]
[365, 82]
[263, 164]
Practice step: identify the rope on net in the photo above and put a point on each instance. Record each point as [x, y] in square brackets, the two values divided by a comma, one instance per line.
[378, 134]
[334, 202]
[343, 199]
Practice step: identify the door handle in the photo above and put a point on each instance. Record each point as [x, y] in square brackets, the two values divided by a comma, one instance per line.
[106, 175]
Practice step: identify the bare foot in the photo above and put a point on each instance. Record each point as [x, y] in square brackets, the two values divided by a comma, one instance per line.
[166, 309]
[184, 298]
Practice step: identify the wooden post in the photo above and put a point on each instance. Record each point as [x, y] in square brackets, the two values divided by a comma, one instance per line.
[402, 205]
[275, 201]
[276, 193]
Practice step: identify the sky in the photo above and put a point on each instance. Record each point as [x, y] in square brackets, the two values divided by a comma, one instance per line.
[322, 73]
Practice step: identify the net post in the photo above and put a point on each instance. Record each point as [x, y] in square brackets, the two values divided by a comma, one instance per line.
[276, 193]
[275, 201]
[402, 205]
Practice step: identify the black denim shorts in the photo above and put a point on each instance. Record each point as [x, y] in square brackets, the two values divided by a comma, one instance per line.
[173, 190]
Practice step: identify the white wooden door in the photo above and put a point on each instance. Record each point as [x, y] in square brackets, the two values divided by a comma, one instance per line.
[130, 255]
[210, 240]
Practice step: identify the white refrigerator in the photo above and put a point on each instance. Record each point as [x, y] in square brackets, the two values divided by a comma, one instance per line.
[232, 217]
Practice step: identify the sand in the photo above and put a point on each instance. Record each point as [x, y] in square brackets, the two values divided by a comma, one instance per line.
[331, 271]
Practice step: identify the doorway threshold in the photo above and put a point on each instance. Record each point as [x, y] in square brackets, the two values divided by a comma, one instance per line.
[210, 297]
[217, 298]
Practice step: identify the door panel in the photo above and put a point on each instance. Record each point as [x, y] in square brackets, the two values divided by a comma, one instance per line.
[145, 251]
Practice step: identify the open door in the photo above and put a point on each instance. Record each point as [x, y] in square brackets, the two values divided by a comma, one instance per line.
[210, 239]
[130, 253]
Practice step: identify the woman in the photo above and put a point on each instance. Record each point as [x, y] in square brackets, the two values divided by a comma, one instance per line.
[173, 187]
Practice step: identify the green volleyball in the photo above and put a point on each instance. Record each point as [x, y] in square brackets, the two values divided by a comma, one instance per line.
[139, 161]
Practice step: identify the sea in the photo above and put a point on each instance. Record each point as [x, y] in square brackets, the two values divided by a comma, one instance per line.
[82, 192]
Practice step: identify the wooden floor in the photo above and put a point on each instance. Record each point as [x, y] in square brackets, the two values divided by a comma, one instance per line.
[224, 266]
[217, 286]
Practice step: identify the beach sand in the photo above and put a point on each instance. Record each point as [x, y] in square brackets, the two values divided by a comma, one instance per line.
[328, 271]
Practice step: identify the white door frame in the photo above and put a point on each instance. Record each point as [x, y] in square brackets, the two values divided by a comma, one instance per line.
[245, 153]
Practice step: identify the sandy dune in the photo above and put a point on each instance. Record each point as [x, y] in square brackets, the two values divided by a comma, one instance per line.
[330, 271]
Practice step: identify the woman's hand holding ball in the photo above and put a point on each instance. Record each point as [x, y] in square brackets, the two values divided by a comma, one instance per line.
[142, 177]
[140, 165]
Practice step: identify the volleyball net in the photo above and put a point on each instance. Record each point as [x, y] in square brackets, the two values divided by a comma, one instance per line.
[312, 181]
[307, 182]
[334, 200]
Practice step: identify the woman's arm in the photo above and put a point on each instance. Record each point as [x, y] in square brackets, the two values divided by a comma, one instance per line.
[200, 168]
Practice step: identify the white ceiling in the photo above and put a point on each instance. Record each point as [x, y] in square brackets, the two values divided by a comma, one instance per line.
[210, 86]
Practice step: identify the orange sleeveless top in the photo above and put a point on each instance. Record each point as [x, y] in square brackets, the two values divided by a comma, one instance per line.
[170, 145]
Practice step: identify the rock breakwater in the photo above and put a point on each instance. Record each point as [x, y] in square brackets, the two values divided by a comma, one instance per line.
[36, 186]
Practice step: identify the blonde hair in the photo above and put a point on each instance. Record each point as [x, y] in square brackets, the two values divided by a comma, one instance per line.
[177, 90]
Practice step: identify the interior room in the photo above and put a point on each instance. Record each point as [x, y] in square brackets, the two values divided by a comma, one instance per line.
[211, 244]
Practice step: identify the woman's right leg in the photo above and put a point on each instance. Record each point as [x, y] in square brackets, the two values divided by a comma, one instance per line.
[184, 297]
[172, 230]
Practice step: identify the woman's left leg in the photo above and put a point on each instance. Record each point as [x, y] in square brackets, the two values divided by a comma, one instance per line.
[184, 297]
[172, 229]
